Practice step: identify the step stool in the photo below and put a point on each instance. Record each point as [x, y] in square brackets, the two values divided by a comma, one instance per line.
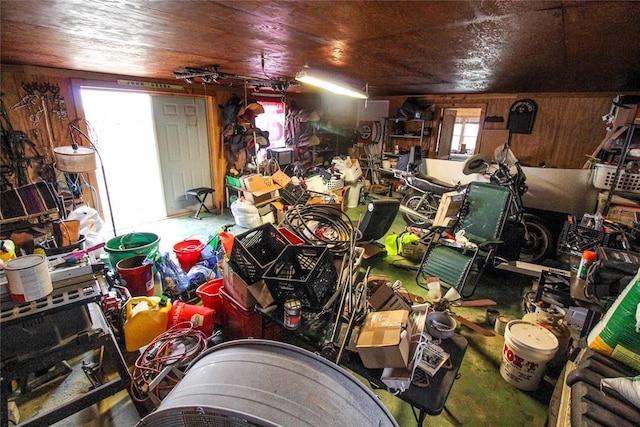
[200, 194]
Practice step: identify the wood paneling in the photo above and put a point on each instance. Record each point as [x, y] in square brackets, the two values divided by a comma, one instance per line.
[567, 126]
[70, 81]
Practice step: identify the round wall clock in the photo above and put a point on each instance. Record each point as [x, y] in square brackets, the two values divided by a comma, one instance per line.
[521, 116]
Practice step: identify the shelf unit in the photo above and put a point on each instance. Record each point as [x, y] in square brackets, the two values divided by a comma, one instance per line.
[405, 133]
[616, 180]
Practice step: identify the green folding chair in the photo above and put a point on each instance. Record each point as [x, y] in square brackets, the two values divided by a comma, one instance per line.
[482, 216]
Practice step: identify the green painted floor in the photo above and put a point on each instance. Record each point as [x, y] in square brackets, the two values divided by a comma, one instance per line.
[480, 396]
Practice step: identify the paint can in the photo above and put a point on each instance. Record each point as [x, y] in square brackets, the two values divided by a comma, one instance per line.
[491, 316]
[292, 315]
[528, 347]
[28, 278]
[501, 324]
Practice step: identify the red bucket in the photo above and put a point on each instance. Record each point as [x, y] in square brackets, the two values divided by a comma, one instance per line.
[136, 276]
[210, 294]
[201, 318]
[188, 252]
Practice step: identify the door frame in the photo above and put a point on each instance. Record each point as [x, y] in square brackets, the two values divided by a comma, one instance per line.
[437, 119]
[214, 131]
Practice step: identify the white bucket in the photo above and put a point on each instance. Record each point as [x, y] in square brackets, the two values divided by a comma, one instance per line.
[28, 278]
[527, 349]
[354, 195]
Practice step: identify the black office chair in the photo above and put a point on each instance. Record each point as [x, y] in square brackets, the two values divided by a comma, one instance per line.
[482, 216]
[375, 224]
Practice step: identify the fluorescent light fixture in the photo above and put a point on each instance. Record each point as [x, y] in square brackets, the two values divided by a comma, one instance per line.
[307, 77]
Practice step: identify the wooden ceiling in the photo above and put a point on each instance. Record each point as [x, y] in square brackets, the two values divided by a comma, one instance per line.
[397, 48]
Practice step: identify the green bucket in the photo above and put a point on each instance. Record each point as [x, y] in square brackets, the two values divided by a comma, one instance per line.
[132, 244]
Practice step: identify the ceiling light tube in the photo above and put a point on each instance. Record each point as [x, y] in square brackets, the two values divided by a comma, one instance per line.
[305, 76]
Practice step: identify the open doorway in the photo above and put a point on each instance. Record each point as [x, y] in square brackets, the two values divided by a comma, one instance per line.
[155, 148]
[459, 132]
[123, 124]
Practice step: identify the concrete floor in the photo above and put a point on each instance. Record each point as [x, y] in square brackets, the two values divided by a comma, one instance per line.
[480, 397]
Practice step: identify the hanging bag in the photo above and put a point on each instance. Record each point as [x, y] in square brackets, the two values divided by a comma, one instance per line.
[66, 232]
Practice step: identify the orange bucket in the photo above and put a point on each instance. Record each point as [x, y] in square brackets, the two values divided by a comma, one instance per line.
[188, 252]
[201, 318]
[209, 293]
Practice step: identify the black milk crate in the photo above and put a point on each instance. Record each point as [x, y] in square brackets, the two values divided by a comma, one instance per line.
[294, 195]
[302, 272]
[254, 250]
[576, 238]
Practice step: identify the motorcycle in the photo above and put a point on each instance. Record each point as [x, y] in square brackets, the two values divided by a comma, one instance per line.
[537, 239]
[422, 195]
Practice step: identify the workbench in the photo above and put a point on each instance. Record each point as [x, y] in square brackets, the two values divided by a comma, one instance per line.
[62, 306]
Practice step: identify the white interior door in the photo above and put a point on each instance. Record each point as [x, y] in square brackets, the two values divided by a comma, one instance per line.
[183, 150]
[446, 133]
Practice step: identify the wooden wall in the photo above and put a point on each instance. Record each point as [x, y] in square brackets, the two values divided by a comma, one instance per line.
[567, 127]
[69, 83]
[336, 111]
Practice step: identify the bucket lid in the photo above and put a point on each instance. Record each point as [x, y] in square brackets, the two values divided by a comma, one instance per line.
[532, 336]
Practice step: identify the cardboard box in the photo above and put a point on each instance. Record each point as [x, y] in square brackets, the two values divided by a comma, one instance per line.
[280, 210]
[627, 215]
[246, 180]
[257, 183]
[384, 341]
[625, 116]
[237, 287]
[259, 197]
[261, 293]
[383, 298]
[281, 178]
[448, 209]
[266, 213]
[259, 189]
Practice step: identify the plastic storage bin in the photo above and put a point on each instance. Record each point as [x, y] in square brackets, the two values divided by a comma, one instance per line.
[240, 322]
[254, 250]
[604, 175]
[302, 272]
[574, 239]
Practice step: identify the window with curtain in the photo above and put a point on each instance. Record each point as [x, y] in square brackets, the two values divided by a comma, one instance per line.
[272, 120]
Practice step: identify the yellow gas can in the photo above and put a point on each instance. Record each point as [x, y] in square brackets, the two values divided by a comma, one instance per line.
[146, 318]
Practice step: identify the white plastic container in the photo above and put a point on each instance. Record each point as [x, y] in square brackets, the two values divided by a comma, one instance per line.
[28, 278]
[528, 347]
[354, 195]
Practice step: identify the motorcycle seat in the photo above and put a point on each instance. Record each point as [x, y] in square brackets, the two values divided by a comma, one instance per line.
[436, 181]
